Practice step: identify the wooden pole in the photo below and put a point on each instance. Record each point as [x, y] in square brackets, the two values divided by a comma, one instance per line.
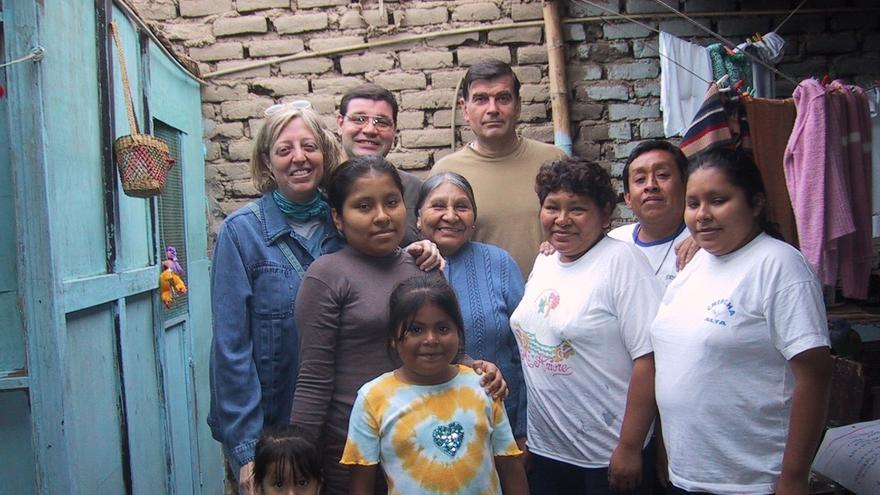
[556, 69]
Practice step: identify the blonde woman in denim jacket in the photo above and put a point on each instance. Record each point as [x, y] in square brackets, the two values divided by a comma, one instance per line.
[260, 255]
[261, 252]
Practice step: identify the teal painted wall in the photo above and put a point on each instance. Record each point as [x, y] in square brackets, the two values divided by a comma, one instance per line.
[136, 245]
[73, 151]
[16, 448]
[114, 396]
[12, 351]
[143, 387]
[93, 408]
[181, 109]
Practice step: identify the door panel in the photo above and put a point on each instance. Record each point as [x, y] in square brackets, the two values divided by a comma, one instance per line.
[135, 241]
[12, 346]
[12, 352]
[177, 389]
[73, 152]
[176, 102]
[144, 401]
[16, 449]
[93, 414]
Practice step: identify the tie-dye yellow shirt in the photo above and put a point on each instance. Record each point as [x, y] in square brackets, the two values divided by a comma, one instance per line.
[430, 439]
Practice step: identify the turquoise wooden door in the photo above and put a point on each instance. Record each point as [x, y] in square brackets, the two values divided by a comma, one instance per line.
[16, 451]
[176, 118]
[102, 390]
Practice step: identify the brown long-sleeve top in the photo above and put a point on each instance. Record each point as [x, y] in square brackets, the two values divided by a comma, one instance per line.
[342, 317]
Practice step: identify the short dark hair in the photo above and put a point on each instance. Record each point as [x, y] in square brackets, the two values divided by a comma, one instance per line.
[370, 91]
[488, 69]
[346, 174]
[577, 176]
[651, 145]
[413, 293]
[742, 173]
[292, 452]
[435, 181]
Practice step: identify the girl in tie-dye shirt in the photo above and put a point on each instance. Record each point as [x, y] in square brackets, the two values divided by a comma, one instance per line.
[429, 423]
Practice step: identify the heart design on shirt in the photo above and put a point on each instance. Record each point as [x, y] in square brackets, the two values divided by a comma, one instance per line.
[449, 438]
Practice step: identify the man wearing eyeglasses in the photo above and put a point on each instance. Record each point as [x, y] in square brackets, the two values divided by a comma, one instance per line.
[500, 165]
[367, 123]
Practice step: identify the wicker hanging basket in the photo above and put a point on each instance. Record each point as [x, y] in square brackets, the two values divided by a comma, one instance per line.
[143, 160]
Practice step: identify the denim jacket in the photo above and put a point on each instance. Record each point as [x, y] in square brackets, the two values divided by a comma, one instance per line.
[254, 350]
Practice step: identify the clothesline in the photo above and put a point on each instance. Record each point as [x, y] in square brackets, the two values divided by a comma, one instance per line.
[790, 14]
[657, 51]
[814, 152]
[36, 55]
[727, 42]
[724, 40]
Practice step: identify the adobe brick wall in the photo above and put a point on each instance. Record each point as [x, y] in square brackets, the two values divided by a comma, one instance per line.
[612, 68]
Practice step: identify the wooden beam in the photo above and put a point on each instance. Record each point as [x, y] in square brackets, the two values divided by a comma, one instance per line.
[92, 291]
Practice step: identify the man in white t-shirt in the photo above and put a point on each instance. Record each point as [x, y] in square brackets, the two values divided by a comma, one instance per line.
[653, 188]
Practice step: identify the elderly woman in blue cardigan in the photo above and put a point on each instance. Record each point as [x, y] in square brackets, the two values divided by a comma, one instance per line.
[485, 278]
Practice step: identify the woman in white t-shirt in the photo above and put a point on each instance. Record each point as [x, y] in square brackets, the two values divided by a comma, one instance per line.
[583, 332]
[741, 345]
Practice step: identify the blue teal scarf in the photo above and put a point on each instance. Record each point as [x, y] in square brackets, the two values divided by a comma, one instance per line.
[301, 212]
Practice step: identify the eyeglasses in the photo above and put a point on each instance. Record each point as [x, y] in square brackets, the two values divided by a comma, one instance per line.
[291, 105]
[360, 120]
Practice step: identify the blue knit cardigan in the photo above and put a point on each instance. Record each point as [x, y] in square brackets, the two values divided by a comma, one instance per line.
[489, 286]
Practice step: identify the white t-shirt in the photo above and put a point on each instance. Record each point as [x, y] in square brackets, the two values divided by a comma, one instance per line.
[660, 253]
[722, 339]
[579, 327]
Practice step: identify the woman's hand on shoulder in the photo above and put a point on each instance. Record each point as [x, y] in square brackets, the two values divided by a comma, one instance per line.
[427, 255]
[684, 252]
[491, 379]
[546, 248]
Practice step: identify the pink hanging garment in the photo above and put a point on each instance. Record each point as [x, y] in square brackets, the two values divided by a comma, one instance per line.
[812, 174]
[836, 185]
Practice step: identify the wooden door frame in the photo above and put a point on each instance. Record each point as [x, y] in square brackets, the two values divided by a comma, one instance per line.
[40, 285]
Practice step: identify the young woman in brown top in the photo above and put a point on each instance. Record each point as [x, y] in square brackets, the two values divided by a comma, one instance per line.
[342, 307]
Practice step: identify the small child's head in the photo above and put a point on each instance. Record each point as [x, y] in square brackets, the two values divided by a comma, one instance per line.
[286, 462]
[426, 327]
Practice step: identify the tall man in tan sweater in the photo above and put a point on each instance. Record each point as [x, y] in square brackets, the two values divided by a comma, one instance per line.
[500, 165]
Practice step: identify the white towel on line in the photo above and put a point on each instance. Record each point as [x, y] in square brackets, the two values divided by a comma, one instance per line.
[681, 93]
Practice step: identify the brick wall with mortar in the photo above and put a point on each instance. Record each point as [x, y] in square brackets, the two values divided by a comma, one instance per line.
[612, 70]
